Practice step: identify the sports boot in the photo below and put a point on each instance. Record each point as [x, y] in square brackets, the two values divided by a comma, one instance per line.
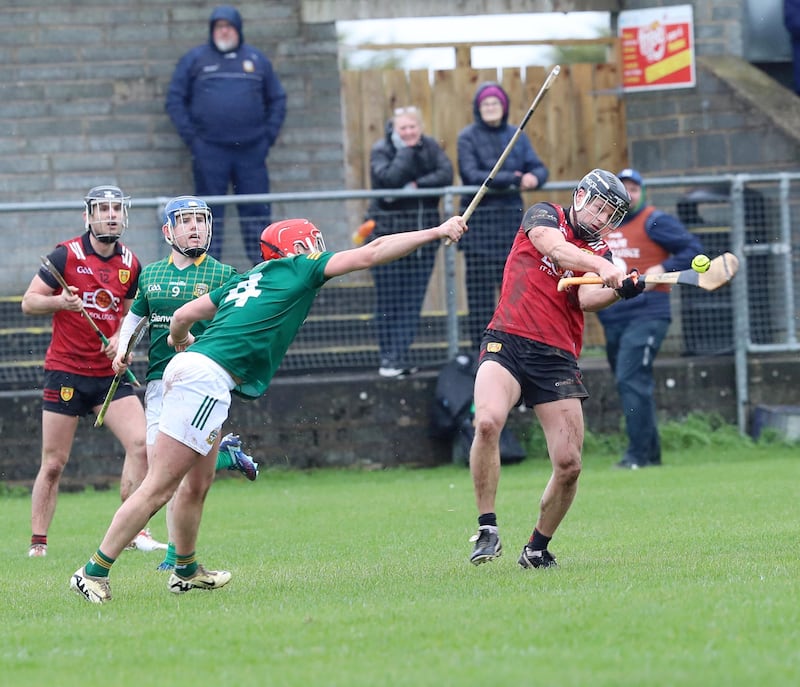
[487, 545]
[537, 559]
[202, 579]
[94, 589]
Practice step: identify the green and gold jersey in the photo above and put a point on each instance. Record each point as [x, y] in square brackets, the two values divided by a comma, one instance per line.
[259, 314]
[163, 288]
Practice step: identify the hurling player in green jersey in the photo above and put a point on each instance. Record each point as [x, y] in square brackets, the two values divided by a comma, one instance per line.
[187, 272]
[256, 316]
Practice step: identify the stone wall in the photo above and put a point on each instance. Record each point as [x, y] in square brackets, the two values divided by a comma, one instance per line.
[83, 96]
[363, 421]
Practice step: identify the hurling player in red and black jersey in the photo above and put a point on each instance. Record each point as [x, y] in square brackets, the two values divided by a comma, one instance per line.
[103, 275]
[530, 350]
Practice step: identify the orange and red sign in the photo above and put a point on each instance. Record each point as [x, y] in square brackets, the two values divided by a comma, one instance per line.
[657, 48]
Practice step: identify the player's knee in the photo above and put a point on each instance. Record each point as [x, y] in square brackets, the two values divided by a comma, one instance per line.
[194, 490]
[53, 464]
[52, 471]
[567, 468]
[488, 428]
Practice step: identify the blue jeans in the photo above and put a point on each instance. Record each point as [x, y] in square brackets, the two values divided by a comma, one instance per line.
[631, 349]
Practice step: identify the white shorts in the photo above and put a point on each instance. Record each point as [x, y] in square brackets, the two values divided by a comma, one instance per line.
[196, 400]
[153, 400]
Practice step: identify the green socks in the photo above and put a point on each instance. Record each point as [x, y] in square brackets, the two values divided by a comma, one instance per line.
[99, 565]
[169, 558]
[224, 460]
[186, 566]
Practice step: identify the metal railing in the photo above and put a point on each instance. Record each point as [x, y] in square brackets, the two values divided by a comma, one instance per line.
[748, 214]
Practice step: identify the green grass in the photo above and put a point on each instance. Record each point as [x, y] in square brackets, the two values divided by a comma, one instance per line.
[683, 575]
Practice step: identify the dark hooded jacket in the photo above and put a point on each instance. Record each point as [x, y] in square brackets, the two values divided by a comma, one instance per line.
[791, 17]
[392, 168]
[232, 98]
[498, 216]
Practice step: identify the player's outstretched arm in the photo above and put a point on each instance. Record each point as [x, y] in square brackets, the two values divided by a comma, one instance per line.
[393, 247]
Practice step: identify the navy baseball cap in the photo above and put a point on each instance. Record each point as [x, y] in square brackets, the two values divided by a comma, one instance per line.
[632, 174]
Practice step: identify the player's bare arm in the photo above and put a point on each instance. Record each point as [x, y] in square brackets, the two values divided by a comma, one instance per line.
[551, 242]
[41, 299]
[388, 248]
[594, 297]
[199, 309]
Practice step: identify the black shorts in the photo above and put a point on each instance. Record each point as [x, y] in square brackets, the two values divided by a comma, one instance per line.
[77, 395]
[544, 373]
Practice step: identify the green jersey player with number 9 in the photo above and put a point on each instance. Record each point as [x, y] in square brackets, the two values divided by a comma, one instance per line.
[188, 272]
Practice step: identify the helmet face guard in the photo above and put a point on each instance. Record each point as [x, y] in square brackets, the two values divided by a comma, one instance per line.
[600, 202]
[290, 237]
[187, 225]
[106, 215]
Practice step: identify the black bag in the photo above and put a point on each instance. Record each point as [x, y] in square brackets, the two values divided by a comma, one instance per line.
[453, 396]
[452, 414]
[511, 450]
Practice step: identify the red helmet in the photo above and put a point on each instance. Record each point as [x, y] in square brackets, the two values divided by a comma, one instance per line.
[290, 237]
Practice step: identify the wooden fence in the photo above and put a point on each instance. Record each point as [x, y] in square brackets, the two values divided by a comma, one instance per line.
[578, 126]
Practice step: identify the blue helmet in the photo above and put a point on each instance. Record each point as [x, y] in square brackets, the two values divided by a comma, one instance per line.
[179, 234]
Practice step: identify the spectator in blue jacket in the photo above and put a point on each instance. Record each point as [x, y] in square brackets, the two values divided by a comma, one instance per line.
[404, 159]
[228, 106]
[652, 242]
[494, 223]
[791, 18]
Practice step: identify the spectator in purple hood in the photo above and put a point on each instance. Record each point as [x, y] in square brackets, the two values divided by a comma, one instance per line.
[494, 223]
[228, 106]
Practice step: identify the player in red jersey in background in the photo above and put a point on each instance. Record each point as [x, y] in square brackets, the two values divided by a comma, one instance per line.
[103, 275]
[530, 351]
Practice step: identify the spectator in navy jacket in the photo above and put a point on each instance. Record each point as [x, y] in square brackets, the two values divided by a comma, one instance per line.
[494, 223]
[791, 18]
[652, 242]
[228, 106]
[404, 159]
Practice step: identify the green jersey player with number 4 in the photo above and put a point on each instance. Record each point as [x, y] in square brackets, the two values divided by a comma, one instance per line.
[188, 272]
[256, 316]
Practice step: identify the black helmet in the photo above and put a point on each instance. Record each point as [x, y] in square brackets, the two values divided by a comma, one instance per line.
[117, 203]
[604, 185]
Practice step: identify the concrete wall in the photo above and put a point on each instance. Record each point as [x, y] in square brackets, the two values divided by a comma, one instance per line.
[83, 95]
[358, 420]
[82, 89]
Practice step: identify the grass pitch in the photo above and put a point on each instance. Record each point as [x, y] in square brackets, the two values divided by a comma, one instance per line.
[681, 575]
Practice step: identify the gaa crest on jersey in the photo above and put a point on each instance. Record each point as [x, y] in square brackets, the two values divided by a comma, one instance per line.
[494, 347]
[200, 290]
[248, 66]
[67, 392]
[124, 276]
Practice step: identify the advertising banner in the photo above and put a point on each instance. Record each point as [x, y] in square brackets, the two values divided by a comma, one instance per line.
[657, 48]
